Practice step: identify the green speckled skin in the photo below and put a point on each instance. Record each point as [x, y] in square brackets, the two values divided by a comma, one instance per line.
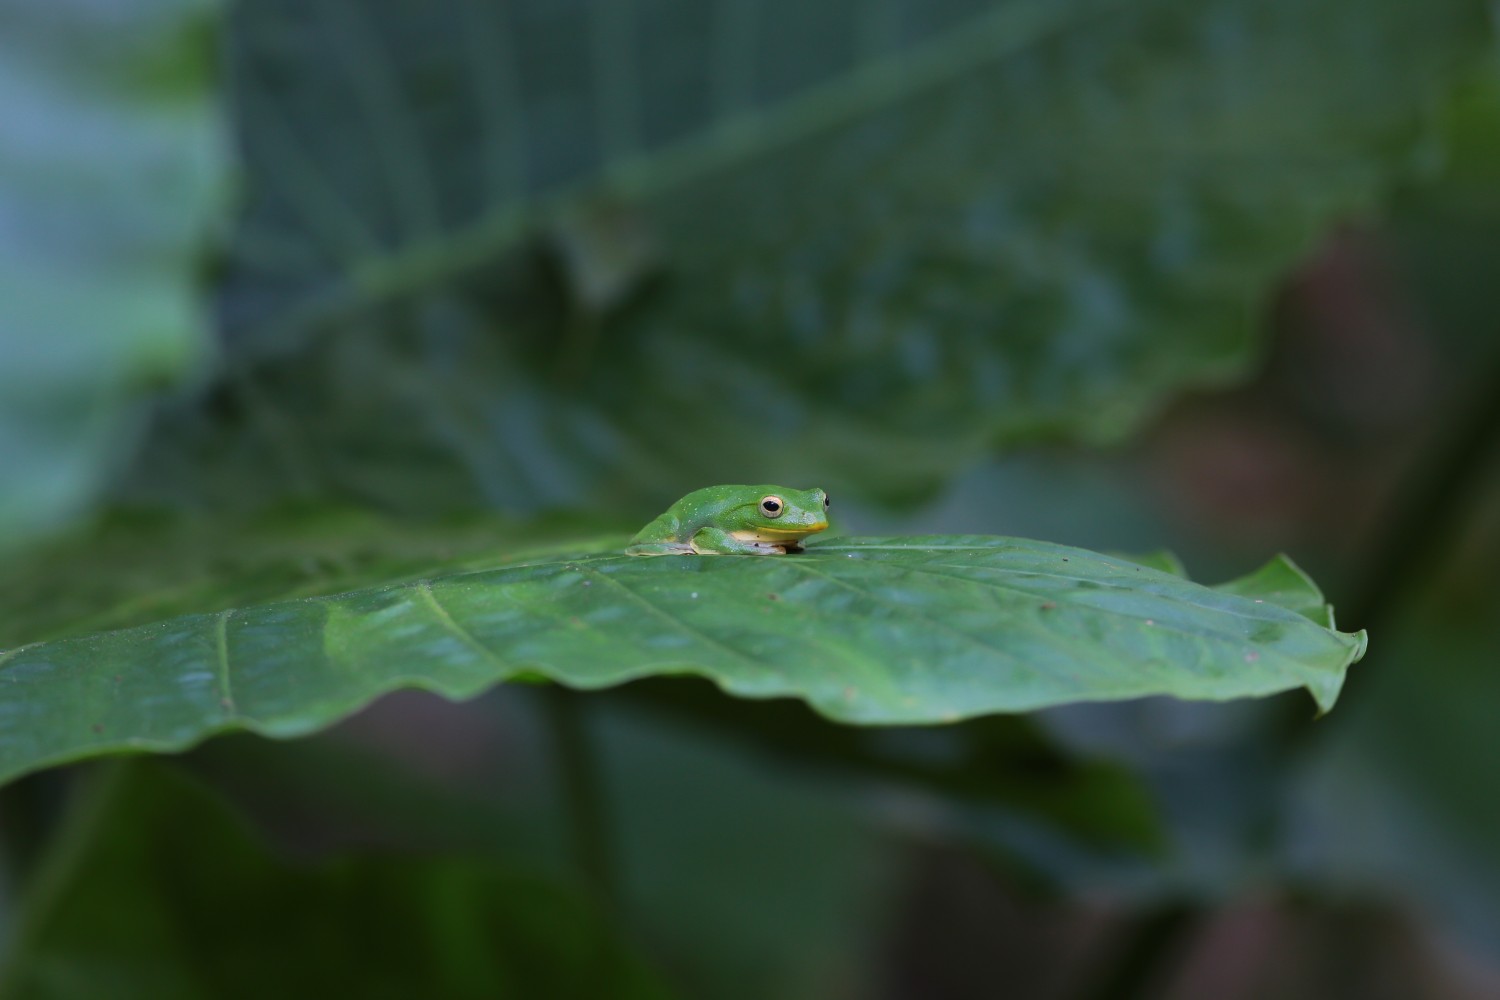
[730, 520]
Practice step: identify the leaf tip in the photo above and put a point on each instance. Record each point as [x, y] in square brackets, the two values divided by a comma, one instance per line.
[1361, 645]
[1326, 691]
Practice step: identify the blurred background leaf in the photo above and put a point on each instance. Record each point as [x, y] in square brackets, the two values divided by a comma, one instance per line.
[114, 169]
[157, 891]
[504, 256]
[759, 847]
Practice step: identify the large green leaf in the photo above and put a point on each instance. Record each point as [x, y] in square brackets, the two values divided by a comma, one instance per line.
[516, 249]
[113, 162]
[157, 892]
[867, 630]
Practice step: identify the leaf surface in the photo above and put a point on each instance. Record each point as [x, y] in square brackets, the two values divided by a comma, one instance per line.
[866, 630]
[133, 568]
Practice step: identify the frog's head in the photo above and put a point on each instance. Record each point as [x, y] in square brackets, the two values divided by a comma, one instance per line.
[777, 514]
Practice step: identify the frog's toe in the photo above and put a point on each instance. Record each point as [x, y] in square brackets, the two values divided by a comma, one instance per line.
[659, 549]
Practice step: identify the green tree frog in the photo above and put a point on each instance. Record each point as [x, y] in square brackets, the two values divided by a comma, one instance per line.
[735, 520]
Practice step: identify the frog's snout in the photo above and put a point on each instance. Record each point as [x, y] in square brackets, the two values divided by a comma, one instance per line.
[820, 514]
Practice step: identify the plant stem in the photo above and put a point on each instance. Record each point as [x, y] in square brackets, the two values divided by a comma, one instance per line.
[1429, 515]
[58, 864]
[1151, 949]
[583, 794]
[1427, 519]
[29, 810]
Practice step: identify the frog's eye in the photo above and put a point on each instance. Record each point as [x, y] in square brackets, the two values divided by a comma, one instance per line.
[771, 506]
[826, 503]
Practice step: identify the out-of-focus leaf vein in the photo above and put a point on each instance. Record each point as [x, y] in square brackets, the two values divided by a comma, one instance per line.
[735, 21]
[492, 69]
[616, 78]
[748, 133]
[326, 217]
[388, 116]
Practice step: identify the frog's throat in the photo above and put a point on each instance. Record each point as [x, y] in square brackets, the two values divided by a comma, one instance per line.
[766, 533]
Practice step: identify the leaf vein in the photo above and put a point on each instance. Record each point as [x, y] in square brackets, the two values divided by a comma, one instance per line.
[682, 623]
[424, 588]
[388, 116]
[908, 609]
[932, 63]
[221, 653]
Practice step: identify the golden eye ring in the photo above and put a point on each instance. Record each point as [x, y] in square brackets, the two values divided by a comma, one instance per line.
[771, 506]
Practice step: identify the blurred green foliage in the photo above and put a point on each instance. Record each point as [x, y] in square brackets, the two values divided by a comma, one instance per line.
[1216, 276]
[852, 243]
[138, 910]
[114, 166]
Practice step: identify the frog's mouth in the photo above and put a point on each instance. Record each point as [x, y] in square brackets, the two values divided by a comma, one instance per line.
[767, 533]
